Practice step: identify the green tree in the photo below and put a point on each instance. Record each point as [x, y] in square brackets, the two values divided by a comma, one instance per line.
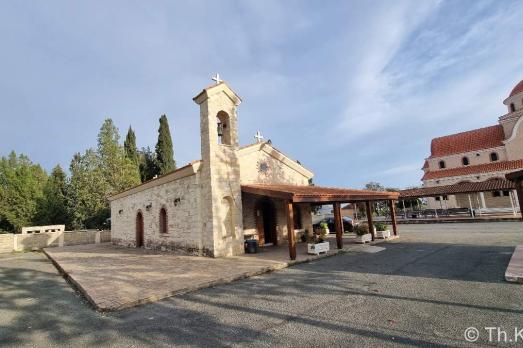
[119, 172]
[87, 191]
[21, 186]
[164, 147]
[96, 175]
[130, 147]
[52, 207]
[148, 164]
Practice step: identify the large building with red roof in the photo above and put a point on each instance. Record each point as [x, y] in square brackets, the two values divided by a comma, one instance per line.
[478, 155]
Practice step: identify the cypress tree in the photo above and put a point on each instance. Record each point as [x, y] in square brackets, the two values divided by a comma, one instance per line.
[131, 152]
[164, 147]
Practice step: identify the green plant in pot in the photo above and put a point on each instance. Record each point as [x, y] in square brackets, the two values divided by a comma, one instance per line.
[380, 226]
[361, 229]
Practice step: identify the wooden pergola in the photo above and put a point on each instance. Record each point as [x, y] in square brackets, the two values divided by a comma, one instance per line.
[324, 195]
[517, 179]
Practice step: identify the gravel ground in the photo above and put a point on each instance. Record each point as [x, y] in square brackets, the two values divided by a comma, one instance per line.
[424, 289]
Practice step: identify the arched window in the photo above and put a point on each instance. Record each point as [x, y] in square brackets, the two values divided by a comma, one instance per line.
[442, 164]
[465, 161]
[224, 128]
[163, 221]
[512, 107]
[493, 157]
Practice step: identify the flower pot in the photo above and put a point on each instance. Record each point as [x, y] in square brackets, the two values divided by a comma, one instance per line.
[364, 238]
[383, 234]
[318, 248]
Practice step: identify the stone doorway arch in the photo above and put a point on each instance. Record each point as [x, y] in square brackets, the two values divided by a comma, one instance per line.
[265, 215]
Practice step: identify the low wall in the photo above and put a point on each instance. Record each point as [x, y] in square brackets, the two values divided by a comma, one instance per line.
[25, 242]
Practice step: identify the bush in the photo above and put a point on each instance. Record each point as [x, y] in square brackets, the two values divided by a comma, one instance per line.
[361, 229]
[380, 226]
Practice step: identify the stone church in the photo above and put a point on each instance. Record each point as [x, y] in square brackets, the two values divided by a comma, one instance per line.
[201, 209]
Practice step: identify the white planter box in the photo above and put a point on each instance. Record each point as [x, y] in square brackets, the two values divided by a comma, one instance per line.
[383, 234]
[365, 238]
[318, 248]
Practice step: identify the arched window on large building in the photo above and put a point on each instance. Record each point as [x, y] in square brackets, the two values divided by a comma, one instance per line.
[493, 157]
[465, 161]
[441, 164]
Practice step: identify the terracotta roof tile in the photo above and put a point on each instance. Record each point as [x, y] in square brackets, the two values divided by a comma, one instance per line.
[477, 139]
[465, 187]
[477, 169]
[425, 165]
[517, 89]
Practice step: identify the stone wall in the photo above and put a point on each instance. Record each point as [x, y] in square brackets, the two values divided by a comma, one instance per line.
[277, 168]
[180, 200]
[26, 242]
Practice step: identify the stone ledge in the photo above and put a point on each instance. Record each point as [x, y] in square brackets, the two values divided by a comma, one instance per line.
[514, 272]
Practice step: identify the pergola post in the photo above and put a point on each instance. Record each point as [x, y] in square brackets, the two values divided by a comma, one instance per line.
[369, 219]
[471, 209]
[519, 191]
[392, 209]
[290, 229]
[338, 225]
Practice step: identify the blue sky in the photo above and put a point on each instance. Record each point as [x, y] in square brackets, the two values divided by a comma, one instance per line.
[355, 90]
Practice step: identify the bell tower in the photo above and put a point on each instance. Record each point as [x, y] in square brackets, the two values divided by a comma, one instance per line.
[220, 199]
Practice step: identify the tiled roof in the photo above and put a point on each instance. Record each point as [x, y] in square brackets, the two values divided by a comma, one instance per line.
[517, 89]
[477, 169]
[465, 187]
[477, 139]
[425, 165]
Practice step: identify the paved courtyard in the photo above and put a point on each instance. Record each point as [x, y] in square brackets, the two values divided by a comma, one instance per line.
[424, 289]
[114, 278]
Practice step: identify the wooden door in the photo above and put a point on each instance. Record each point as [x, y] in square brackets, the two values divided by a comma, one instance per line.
[139, 230]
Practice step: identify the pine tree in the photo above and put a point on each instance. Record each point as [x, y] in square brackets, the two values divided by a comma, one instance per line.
[119, 172]
[52, 207]
[87, 191]
[21, 186]
[130, 146]
[164, 147]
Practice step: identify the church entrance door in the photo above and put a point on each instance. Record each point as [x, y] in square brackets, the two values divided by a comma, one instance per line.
[139, 230]
[266, 222]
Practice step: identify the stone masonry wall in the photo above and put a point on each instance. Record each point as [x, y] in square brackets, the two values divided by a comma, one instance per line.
[180, 199]
[277, 173]
[26, 242]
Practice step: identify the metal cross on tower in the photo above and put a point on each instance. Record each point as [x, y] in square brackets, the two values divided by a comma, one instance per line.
[258, 137]
[216, 78]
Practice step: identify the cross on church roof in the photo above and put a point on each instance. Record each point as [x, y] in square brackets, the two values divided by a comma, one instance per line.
[258, 137]
[217, 78]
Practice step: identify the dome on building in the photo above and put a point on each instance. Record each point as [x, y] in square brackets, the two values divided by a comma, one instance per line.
[517, 89]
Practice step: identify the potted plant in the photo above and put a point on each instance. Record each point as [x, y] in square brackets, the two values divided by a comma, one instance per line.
[382, 230]
[317, 243]
[362, 233]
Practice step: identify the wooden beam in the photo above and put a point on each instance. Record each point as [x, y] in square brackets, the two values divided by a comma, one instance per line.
[290, 230]
[392, 208]
[369, 219]
[519, 191]
[338, 224]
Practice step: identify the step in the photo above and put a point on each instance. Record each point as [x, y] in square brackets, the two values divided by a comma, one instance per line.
[514, 272]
